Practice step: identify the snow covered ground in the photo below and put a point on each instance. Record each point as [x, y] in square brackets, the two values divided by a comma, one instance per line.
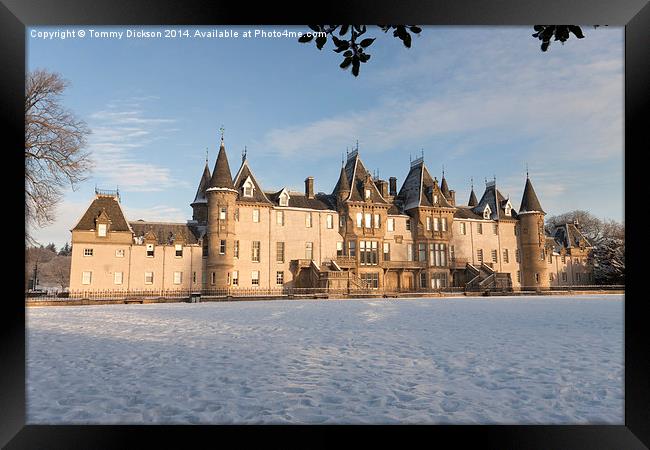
[505, 360]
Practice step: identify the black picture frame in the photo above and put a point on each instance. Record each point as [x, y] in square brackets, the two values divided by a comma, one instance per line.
[16, 15]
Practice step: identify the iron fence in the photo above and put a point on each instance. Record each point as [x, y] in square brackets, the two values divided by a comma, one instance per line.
[292, 292]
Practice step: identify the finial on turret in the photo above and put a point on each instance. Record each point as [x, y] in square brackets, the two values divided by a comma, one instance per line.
[443, 171]
[222, 130]
[471, 181]
[526, 170]
[206, 155]
[243, 154]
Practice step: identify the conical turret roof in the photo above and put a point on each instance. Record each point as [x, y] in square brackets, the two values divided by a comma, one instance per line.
[529, 201]
[203, 185]
[221, 177]
[444, 188]
[343, 184]
[472, 199]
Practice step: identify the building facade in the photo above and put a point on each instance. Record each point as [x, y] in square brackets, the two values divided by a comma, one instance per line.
[364, 234]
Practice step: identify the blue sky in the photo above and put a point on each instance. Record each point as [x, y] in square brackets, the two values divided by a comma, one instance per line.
[482, 101]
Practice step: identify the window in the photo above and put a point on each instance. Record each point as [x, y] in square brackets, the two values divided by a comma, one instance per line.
[479, 228]
[235, 278]
[438, 280]
[248, 189]
[86, 277]
[193, 277]
[255, 251]
[409, 252]
[309, 250]
[516, 230]
[88, 252]
[494, 256]
[452, 253]
[279, 218]
[255, 278]
[386, 251]
[438, 255]
[341, 221]
[550, 277]
[550, 257]
[428, 223]
[119, 253]
[368, 220]
[279, 252]
[422, 252]
[236, 249]
[222, 247]
[479, 255]
[563, 259]
[367, 193]
[213, 278]
[371, 278]
[517, 256]
[284, 199]
[178, 277]
[150, 250]
[148, 278]
[564, 276]
[330, 221]
[508, 210]
[536, 278]
[368, 253]
[506, 259]
[279, 278]
[444, 223]
[542, 255]
[423, 279]
[178, 248]
[390, 224]
[495, 228]
[237, 214]
[463, 228]
[352, 248]
[117, 277]
[223, 211]
[377, 221]
[487, 212]
[408, 224]
[204, 244]
[339, 249]
[256, 215]
[101, 229]
[518, 277]
[436, 224]
[359, 220]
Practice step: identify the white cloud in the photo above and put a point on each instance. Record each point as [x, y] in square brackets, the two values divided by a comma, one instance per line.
[117, 135]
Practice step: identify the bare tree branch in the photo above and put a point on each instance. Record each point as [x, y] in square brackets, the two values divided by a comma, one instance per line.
[54, 148]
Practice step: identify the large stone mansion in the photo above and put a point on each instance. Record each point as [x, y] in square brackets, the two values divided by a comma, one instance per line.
[365, 233]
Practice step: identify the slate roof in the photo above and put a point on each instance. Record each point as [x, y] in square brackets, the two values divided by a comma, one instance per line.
[242, 175]
[203, 185]
[529, 201]
[568, 236]
[221, 176]
[111, 206]
[444, 188]
[166, 232]
[357, 176]
[419, 187]
[342, 184]
[465, 212]
[472, 199]
[496, 201]
[300, 200]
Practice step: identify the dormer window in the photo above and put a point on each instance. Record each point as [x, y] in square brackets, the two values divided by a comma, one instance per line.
[487, 212]
[367, 193]
[248, 188]
[435, 199]
[101, 229]
[508, 209]
[284, 199]
[150, 250]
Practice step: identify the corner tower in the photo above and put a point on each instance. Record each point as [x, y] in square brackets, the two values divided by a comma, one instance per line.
[200, 203]
[534, 269]
[221, 196]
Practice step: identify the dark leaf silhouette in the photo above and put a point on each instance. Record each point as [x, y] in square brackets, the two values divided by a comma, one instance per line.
[556, 32]
[367, 42]
[305, 38]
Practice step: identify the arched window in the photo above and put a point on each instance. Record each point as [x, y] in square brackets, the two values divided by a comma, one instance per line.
[248, 188]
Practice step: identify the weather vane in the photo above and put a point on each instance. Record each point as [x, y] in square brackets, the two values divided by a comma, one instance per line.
[222, 130]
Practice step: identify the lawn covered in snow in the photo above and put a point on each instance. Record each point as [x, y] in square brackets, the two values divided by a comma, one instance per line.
[505, 360]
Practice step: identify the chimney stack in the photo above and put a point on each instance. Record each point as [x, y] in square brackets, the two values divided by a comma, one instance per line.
[309, 187]
[382, 185]
[393, 186]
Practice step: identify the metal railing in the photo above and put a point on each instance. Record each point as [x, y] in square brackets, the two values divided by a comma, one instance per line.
[294, 292]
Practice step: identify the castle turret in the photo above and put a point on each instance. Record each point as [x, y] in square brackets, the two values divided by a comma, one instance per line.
[343, 186]
[221, 195]
[534, 268]
[472, 198]
[200, 203]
